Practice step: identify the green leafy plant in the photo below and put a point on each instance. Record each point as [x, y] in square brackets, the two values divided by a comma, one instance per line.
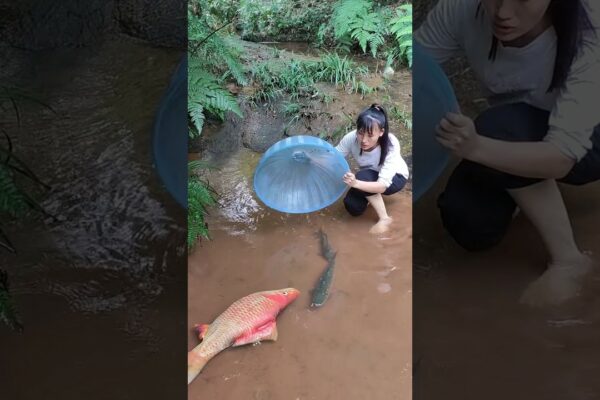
[379, 28]
[282, 20]
[14, 200]
[17, 181]
[338, 70]
[213, 58]
[205, 93]
[8, 312]
[299, 77]
[401, 28]
[200, 196]
[290, 108]
[327, 99]
[272, 82]
[402, 116]
[358, 20]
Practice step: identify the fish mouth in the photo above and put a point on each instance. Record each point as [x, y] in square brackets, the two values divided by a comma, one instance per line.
[291, 293]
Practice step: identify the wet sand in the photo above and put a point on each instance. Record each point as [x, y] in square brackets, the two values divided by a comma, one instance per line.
[356, 346]
[472, 338]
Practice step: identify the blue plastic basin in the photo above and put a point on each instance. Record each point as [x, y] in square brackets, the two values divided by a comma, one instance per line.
[433, 97]
[300, 174]
[170, 135]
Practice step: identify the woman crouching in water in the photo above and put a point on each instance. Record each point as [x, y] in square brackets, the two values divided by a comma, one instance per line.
[382, 170]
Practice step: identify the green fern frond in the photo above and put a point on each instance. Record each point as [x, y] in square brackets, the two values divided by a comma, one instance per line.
[196, 112]
[357, 20]
[401, 28]
[8, 312]
[200, 197]
[198, 165]
[375, 42]
[347, 12]
[12, 200]
[216, 52]
[402, 20]
[362, 37]
[205, 94]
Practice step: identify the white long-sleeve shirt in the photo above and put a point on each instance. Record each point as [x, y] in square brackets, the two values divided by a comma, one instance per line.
[521, 74]
[392, 165]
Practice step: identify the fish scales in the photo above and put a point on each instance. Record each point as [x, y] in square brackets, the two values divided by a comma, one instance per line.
[241, 317]
[248, 320]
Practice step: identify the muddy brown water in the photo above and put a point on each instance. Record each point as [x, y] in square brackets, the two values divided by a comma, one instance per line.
[101, 289]
[472, 338]
[357, 346]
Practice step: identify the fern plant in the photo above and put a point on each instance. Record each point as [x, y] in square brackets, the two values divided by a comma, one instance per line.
[213, 58]
[357, 19]
[8, 312]
[14, 201]
[205, 93]
[200, 197]
[375, 27]
[401, 28]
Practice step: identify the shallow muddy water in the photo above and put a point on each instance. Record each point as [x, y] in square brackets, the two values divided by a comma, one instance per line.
[356, 346]
[100, 288]
[472, 338]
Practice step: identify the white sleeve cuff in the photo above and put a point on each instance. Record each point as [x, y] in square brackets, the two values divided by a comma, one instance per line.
[385, 181]
[574, 145]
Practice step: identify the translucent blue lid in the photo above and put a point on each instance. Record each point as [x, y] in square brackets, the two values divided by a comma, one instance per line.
[433, 97]
[300, 174]
[170, 134]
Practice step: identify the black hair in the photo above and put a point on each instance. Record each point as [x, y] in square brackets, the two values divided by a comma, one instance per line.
[365, 122]
[571, 21]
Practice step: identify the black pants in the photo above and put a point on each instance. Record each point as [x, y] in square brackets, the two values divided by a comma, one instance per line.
[476, 207]
[356, 200]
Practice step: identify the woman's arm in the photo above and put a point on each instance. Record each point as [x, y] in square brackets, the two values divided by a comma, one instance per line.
[528, 159]
[369, 187]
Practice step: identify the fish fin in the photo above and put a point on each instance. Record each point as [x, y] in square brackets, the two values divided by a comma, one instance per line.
[201, 330]
[266, 331]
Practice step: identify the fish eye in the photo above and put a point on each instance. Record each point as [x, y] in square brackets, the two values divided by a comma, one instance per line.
[284, 293]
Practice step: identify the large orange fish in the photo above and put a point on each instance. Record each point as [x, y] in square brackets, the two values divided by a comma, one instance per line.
[251, 319]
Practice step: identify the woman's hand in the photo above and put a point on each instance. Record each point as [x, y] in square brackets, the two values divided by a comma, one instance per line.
[457, 133]
[350, 179]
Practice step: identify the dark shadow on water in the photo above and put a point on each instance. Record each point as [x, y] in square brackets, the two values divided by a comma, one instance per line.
[101, 289]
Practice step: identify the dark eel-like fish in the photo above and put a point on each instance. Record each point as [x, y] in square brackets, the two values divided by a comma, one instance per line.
[321, 291]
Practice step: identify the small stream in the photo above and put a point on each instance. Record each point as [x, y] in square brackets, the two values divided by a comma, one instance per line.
[358, 345]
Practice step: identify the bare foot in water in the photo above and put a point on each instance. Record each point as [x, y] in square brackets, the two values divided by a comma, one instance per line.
[382, 226]
[559, 283]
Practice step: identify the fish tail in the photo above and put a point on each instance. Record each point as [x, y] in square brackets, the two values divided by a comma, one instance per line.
[196, 363]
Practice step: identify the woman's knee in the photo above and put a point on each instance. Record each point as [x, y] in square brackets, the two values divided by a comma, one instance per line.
[355, 205]
[468, 234]
[367, 175]
[476, 216]
[513, 122]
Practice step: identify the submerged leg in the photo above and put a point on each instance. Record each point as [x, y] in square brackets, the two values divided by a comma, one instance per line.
[385, 220]
[542, 203]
